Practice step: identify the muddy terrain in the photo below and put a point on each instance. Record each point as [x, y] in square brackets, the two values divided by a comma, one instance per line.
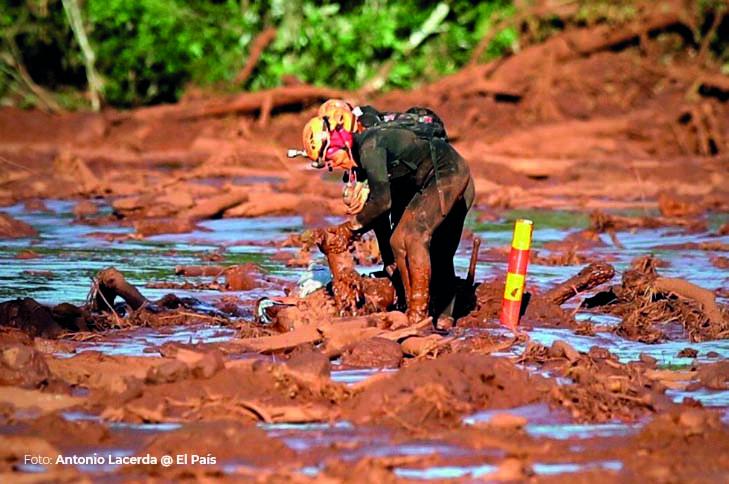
[165, 285]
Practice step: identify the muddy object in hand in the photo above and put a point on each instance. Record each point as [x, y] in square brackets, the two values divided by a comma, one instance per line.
[23, 366]
[373, 353]
[353, 294]
[11, 228]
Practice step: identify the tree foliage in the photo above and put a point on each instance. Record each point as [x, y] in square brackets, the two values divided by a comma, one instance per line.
[148, 51]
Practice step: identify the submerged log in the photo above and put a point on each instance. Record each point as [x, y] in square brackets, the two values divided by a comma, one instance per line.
[588, 278]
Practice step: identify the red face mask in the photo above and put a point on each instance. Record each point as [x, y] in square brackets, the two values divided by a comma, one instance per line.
[338, 140]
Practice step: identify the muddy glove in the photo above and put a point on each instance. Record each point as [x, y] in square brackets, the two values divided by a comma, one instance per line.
[356, 196]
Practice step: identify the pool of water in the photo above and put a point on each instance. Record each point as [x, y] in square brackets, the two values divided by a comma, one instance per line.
[73, 257]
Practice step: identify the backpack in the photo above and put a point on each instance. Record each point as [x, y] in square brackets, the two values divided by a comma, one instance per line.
[421, 121]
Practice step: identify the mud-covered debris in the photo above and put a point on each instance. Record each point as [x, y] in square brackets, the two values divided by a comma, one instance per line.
[243, 390]
[23, 366]
[506, 421]
[36, 205]
[672, 205]
[608, 223]
[373, 353]
[714, 376]
[29, 316]
[119, 388]
[604, 390]
[197, 271]
[688, 353]
[568, 257]
[310, 362]
[422, 345]
[221, 440]
[647, 359]
[562, 349]
[11, 228]
[112, 283]
[85, 208]
[158, 226]
[168, 372]
[588, 278]
[437, 392]
[26, 254]
[241, 277]
[652, 306]
[720, 262]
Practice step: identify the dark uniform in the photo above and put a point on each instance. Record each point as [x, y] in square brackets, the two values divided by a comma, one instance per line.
[417, 216]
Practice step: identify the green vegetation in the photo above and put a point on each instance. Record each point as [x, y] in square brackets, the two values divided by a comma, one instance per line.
[150, 51]
[147, 51]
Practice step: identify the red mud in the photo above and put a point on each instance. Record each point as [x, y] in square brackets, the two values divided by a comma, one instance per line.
[456, 384]
[595, 119]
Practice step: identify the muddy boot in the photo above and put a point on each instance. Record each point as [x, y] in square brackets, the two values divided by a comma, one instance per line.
[419, 297]
[417, 308]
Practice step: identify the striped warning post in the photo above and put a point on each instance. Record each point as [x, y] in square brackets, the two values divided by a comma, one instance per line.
[515, 278]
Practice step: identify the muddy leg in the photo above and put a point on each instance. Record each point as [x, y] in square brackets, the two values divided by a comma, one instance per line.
[417, 255]
[398, 242]
[383, 232]
[422, 217]
[443, 248]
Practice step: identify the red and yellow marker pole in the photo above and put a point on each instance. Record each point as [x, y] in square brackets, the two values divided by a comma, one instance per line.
[516, 276]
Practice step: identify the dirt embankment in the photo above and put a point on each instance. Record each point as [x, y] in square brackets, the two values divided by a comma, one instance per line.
[590, 118]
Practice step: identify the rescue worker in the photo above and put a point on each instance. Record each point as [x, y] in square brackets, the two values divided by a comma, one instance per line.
[413, 191]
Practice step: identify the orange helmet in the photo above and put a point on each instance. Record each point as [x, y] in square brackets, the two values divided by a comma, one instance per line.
[340, 115]
[332, 104]
[316, 138]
